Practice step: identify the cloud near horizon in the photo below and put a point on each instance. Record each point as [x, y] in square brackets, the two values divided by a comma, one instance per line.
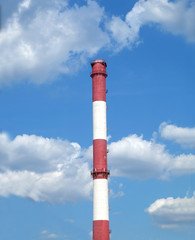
[40, 41]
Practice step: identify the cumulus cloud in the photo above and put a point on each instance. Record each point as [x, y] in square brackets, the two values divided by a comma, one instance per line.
[183, 136]
[40, 41]
[58, 171]
[135, 157]
[43, 169]
[183, 164]
[122, 34]
[172, 212]
[175, 17]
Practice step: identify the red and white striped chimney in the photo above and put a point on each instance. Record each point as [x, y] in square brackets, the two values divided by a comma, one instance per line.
[100, 172]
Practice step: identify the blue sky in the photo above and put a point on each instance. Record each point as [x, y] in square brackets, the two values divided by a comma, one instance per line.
[46, 117]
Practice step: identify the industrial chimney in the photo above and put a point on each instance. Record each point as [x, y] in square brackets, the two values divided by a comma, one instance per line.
[100, 172]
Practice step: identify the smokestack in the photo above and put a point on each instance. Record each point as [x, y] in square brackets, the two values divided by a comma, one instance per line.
[100, 172]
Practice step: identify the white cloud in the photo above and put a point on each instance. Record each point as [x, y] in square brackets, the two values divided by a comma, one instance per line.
[175, 17]
[39, 41]
[35, 153]
[43, 169]
[70, 220]
[24, 5]
[121, 33]
[181, 135]
[171, 213]
[52, 236]
[44, 232]
[57, 171]
[112, 194]
[46, 235]
[182, 165]
[134, 157]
